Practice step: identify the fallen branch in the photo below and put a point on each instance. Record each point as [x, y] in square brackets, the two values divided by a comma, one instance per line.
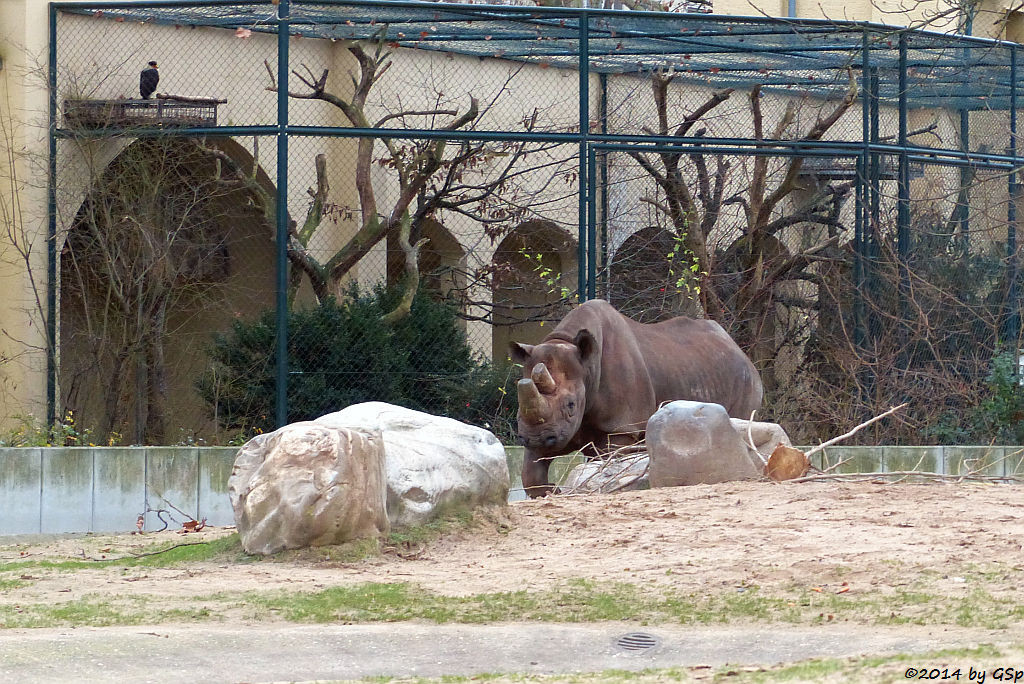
[137, 555]
[622, 457]
[189, 525]
[750, 438]
[835, 440]
[970, 475]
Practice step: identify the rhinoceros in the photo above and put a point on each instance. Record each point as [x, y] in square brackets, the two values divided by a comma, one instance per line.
[593, 382]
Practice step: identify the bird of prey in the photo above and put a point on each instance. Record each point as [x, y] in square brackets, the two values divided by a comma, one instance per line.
[148, 79]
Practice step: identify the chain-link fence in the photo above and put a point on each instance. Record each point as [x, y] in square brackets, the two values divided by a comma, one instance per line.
[854, 231]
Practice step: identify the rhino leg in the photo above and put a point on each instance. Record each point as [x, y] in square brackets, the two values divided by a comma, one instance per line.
[535, 476]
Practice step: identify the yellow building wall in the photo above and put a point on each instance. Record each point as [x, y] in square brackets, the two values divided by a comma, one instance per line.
[23, 106]
[23, 146]
[895, 12]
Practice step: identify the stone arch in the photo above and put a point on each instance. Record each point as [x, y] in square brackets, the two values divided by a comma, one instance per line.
[213, 266]
[442, 261]
[535, 268]
[81, 161]
[443, 265]
[645, 283]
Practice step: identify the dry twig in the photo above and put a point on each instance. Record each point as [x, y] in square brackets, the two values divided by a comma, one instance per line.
[621, 457]
[750, 438]
[835, 440]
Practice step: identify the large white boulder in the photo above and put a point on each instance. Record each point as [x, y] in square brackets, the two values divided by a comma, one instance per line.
[432, 463]
[308, 484]
[692, 442]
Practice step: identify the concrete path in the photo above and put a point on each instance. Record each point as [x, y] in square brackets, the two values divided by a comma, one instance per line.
[285, 652]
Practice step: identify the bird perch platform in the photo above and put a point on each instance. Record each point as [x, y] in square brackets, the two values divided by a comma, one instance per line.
[162, 112]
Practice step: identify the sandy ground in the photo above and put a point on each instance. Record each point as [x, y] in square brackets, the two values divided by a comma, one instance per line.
[832, 536]
[871, 541]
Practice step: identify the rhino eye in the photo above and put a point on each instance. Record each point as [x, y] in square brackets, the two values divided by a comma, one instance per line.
[572, 405]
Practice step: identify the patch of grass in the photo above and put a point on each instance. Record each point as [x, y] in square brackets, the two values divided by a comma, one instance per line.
[348, 552]
[95, 611]
[400, 541]
[919, 601]
[451, 519]
[579, 601]
[576, 601]
[982, 651]
[981, 609]
[227, 548]
[586, 601]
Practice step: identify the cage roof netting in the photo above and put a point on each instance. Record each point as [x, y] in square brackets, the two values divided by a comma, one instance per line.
[813, 56]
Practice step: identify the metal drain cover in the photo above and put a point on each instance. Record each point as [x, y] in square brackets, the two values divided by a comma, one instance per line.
[637, 641]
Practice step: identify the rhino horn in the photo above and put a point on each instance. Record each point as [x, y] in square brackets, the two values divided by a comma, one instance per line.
[542, 378]
[531, 403]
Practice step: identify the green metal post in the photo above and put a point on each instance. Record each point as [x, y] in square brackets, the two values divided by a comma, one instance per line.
[281, 403]
[582, 260]
[963, 211]
[874, 208]
[51, 229]
[603, 161]
[1013, 303]
[861, 216]
[903, 188]
[963, 195]
[859, 281]
[591, 223]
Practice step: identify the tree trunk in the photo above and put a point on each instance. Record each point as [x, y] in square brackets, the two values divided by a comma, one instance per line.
[113, 416]
[156, 388]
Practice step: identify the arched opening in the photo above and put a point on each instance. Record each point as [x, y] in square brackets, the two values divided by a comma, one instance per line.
[442, 262]
[171, 244]
[534, 281]
[649, 279]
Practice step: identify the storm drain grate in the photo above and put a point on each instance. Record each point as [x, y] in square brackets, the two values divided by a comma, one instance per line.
[636, 641]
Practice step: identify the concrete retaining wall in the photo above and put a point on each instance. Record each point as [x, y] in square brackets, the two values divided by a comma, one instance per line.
[995, 461]
[96, 489]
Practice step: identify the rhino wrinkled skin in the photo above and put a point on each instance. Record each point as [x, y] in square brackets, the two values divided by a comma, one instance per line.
[597, 378]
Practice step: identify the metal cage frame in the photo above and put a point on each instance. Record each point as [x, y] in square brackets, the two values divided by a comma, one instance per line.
[893, 67]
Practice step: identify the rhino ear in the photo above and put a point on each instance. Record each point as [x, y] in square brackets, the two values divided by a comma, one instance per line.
[586, 343]
[519, 351]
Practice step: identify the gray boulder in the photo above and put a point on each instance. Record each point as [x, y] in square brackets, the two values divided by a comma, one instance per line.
[432, 463]
[765, 437]
[308, 484]
[622, 474]
[632, 471]
[692, 442]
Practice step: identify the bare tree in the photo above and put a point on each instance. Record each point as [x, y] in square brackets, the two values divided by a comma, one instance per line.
[740, 286]
[474, 179]
[151, 239]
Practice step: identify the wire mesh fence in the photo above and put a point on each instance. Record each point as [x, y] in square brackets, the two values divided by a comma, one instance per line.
[438, 207]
